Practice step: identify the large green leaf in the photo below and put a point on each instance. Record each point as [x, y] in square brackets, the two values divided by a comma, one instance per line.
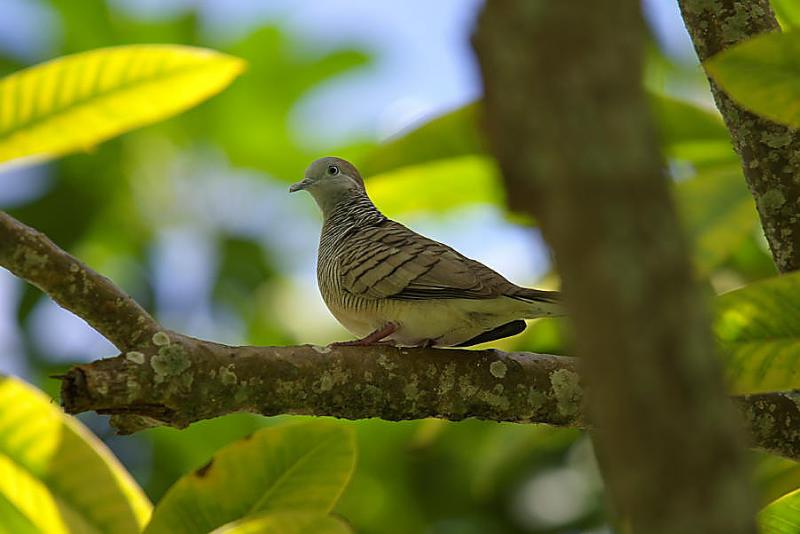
[774, 476]
[298, 522]
[763, 75]
[687, 131]
[758, 328]
[55, 476]
[691, 133]
[77, 101]
[449, 135]
[719, 213]
[781, 516]
[300, 466]
[788, 12]
[437, 186]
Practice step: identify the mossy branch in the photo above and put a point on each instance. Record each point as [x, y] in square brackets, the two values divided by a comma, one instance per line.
[177, 380]
[171, 379]
[94, 298]
[770, 152]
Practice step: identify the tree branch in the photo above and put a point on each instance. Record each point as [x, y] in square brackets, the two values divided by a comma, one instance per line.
[770, 152]
[569, 123]
[94, 298]
[186, 379]
[179, 380]
[175, 380]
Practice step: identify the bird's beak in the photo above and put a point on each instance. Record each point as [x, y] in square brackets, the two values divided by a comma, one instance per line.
[299, 186]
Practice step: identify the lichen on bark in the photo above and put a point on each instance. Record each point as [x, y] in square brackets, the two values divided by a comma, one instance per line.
[770, 152]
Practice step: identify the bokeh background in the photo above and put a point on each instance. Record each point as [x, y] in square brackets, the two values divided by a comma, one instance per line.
[192, 217]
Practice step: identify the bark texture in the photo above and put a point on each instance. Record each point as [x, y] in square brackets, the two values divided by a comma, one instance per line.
[569, 123]
[94, 298]
[177, 380]
[770, 152]
[171, 379]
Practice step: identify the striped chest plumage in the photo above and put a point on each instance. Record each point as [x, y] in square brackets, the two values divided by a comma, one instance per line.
[357, 314]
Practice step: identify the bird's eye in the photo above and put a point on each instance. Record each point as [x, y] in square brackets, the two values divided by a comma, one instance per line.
[333, 170]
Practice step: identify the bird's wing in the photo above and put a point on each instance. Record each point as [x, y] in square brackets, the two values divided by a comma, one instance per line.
[391, 261]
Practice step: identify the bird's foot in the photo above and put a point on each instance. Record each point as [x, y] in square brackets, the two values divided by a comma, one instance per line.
[375, 338]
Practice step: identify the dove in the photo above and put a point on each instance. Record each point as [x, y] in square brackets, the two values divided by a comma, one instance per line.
[385, 283]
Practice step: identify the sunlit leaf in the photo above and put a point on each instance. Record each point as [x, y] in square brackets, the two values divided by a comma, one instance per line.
[719, 213]
[292, 467]
[449, 135]
[687, 131]
[691, 133]
[781, 516]
[758, 328]
[77, 101]
[437, 186]
[788, 12]
[763, 75]
[774, 476]
[300, 522]
[55, 476]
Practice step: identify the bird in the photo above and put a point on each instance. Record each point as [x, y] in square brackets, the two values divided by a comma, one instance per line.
[387, 284]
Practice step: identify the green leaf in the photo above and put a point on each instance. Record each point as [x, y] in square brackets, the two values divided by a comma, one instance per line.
[299, 466]
[300, 522]
[774, 476]
[450, 135]
[781, 516]
[691, 133]
[77, 101]
[763, 75]
[688, 131]
[55, 476]
[719, 214]
[788, 12]
[443, 185]
[758, 328]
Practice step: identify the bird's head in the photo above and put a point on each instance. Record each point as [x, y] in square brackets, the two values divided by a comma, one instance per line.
[329, 180]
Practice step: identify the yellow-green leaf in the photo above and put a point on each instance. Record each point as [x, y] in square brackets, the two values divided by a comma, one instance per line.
[687, 131]
[293, 467]
[758, 329]
[301, 522]
[450, 135]
[788, 12]
[55, 476]
[719, 213]
[781, 516]
[74, 102]
[437, 186]
[763, 75]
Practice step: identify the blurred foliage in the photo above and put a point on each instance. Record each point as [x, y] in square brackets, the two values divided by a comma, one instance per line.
[190, 217]
[286, 523]
[763, 75]
[788, 13]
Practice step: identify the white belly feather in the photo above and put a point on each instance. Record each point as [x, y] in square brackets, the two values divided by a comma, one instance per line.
[447, 322]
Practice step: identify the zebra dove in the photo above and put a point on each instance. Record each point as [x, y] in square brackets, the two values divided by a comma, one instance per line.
[387, 283]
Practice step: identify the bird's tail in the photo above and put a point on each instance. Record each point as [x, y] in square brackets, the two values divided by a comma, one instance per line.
[542, 303]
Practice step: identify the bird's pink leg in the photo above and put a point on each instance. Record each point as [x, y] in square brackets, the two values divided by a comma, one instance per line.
[372, 339]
